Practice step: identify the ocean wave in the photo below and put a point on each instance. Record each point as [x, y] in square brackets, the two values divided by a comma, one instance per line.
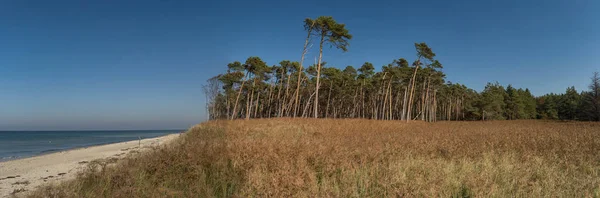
[51, 151]
[8, 158]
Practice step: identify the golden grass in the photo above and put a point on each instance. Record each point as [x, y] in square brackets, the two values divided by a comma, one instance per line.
[357, 158]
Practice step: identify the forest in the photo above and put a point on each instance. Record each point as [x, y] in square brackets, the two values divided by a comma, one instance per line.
[400, 90]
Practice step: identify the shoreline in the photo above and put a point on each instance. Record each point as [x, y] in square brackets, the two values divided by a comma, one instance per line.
[52, 151]
[25, 174]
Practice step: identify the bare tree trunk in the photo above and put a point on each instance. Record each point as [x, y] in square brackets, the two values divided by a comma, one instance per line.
[374, 108]
[423, 102]
[412, 90]
[435, 106]
[457, 109]
[300, 98]
[362, 93]
[426, 106]
[390, 99]
[353, 115]
[300, 70]
[396, 104]
[285, 98]
[462, 107]
[450, 109]
[234, 113]
[383, 89]
[288, 107]
[270, 101]
[307, 104]
[249, 101]
[279, 102]
[328, 99]
[335, 110]
[482, 115]
[228, 103]
[404, 105]
[316, 111]
[256, 108]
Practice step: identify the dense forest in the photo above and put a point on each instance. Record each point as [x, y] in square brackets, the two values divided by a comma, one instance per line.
[399, 91]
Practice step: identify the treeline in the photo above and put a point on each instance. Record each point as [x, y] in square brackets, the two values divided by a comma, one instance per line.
[399, 91]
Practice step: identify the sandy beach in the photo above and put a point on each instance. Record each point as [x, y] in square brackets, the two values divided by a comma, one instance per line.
[28, 173]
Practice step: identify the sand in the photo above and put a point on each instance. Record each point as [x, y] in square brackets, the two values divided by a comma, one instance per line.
[28, 173]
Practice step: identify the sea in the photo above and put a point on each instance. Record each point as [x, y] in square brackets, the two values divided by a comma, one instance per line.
[22, 144]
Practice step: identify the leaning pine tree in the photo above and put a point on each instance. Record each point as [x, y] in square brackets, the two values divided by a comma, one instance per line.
[336, 35]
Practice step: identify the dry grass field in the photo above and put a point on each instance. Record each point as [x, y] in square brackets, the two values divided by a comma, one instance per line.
[357, 158]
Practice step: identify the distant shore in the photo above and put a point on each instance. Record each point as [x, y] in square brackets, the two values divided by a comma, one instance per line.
[26, 174]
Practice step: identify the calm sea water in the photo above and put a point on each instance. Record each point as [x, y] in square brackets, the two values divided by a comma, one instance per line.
[20, 144]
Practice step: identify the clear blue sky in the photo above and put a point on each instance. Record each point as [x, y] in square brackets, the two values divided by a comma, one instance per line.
[140, 64]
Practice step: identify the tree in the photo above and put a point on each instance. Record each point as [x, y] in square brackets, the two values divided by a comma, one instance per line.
[492, 102]
[515, 106]
[568, 104]
[423, 53]
[238, 68]
[398, 91]
[366, 73]
[259, 71]
[594, 97]
[547, 106]
[309, 25]
[337, 36]
[212, 91]
[529, 104]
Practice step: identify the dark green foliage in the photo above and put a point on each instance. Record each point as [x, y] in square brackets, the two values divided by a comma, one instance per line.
[568, 104]
[547, 106]
[530, 104]
[590, 100]
[333, 32]
[366, 70]
[396, 91]
[423, 51]
[515, 106]
[493, 102]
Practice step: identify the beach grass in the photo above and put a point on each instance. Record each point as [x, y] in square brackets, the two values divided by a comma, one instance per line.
[355, 158]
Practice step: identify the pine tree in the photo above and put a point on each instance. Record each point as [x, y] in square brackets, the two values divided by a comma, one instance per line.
[568, 104]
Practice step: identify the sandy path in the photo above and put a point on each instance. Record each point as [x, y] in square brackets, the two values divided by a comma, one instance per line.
[31, 172]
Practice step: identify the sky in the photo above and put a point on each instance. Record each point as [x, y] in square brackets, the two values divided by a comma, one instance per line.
[140, 64]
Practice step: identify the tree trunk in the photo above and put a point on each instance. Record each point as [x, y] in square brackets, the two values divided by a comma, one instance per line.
[300, 70]
[256, 107]
[427, 97]
[412, 89]
[307, 104]
[228, 103]
[390, 99]
[354, 106]
[234, 113]
[328, 99]
[404, 105]
[249, 101]
[422, 103]
[285, 98]
[279, 102]
[316, 109]
[383, 89]
[362, 110]
[270, 103]
[436, 105]
[396, 104]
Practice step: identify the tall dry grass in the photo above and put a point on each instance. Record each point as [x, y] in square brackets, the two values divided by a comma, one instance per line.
[357, 158]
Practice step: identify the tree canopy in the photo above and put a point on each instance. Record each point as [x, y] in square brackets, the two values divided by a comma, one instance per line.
[396, 91]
